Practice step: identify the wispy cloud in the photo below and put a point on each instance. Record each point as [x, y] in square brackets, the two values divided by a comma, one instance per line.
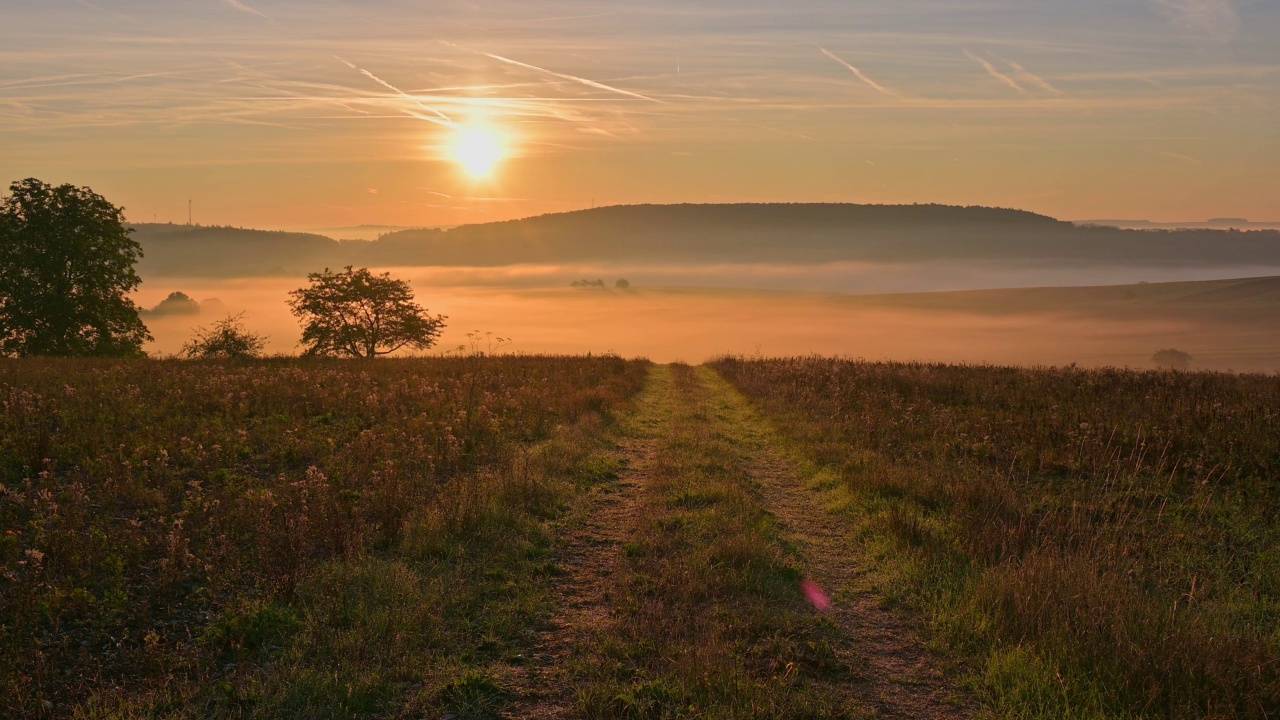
[245, 8]
[1209, 19]
[995, 73]
[1027, 76]
[101, 9]
[433, 115]
[572, 78]
[1176, 156]
[861, 75]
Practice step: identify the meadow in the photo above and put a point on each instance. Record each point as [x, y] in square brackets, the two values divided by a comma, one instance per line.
[280, 538]
[1091, 543]
[479, 536]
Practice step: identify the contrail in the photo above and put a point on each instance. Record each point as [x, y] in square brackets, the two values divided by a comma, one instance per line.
[572, 78]
[993, 72]
[1176, 156]
[88, 4]
[245, 8]
[1216, 19]
[439, 119]
[1032, 78]
[859, 74]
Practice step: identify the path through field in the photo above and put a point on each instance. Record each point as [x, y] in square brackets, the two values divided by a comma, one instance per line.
[682, 587]
[898, 679]
[593, 533]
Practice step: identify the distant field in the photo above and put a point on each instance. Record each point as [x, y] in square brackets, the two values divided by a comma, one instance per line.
[1095, 543]
[1227, 324]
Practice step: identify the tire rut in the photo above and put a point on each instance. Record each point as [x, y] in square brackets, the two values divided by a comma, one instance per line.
[896, 675]
[590, 549]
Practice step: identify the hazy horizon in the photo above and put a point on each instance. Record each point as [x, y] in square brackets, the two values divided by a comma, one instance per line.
[695, 324]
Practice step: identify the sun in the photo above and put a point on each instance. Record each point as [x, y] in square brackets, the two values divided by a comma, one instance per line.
[478, 150]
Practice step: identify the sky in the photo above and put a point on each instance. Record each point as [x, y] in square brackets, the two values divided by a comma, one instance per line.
[332, 113]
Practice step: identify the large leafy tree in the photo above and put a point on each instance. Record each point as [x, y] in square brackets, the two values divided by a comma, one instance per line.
[355, 313]
[66, 268]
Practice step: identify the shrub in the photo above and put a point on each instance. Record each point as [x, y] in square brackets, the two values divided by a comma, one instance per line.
[227, 339]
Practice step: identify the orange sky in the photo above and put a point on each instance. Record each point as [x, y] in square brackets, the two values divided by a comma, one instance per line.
[291, 114]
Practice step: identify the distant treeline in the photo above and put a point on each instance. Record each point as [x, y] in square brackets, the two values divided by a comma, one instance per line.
[767, 233]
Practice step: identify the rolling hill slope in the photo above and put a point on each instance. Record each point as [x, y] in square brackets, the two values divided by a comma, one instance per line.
[713, 234]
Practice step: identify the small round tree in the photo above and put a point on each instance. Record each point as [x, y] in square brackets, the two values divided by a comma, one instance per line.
[226, 339]
[355, 313]
[1172, 359]
[178, 303]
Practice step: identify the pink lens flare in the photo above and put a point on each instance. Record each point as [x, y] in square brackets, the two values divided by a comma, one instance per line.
[816, 596]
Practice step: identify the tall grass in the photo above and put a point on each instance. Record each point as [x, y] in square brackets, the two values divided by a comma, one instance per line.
[160, 519]
[1098, 543]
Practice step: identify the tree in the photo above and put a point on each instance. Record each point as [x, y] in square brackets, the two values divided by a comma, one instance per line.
[622, 284]
[1172, 359]
[355, 313]
[227, 339]
[66, 268]
[178, 303]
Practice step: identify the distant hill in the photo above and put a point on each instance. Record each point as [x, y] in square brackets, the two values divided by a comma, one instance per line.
[185, 250]
[744, 233]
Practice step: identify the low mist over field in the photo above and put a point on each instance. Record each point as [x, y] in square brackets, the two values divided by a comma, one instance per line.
[775, 279]
[1119, 326]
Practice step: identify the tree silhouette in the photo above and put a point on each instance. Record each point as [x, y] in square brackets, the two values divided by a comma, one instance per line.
[355, 313]
[1172, 359]
[66, 268]
[178, 303]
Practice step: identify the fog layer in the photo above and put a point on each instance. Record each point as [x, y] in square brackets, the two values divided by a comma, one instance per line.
[1233, 329]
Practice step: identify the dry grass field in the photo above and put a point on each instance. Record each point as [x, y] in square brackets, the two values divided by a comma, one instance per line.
[280, 538]
[588, 537]
[1097, 543]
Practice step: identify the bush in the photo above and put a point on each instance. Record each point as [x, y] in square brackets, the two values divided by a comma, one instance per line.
[227, 339]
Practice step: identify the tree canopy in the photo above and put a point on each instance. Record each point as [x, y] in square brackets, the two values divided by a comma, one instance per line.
[355, 313]
[66, 268]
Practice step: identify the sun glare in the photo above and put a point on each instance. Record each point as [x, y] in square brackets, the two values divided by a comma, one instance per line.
[478, 151]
